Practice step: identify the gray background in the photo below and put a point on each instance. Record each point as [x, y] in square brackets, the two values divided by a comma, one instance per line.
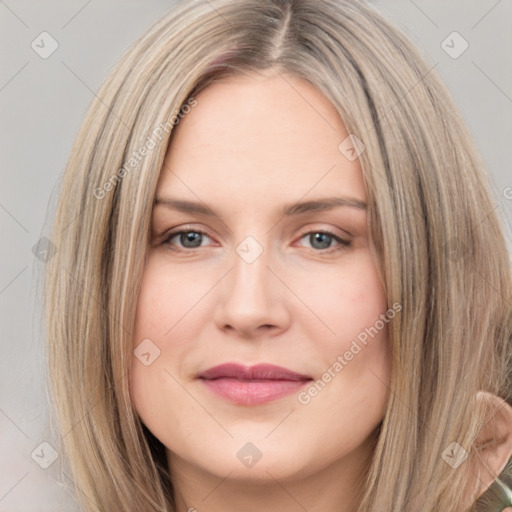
[43, 102]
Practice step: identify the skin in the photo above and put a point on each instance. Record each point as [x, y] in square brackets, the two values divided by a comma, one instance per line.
[252, 144]
[496, 440]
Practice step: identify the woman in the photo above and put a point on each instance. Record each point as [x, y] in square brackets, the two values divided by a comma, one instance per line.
[281, 282]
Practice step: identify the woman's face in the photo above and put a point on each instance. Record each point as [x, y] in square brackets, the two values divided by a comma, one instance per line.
[254, 284]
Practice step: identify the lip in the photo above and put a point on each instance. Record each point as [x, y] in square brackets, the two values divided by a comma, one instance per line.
[252, 385]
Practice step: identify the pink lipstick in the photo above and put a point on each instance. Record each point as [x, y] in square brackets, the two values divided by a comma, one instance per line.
[253, 385]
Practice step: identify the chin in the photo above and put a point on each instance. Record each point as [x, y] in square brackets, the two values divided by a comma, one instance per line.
[258, 461]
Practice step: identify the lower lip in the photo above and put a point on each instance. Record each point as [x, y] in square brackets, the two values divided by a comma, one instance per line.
[253, 392]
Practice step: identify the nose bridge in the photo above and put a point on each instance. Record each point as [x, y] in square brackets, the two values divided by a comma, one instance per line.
[250, 260]
[251, 296]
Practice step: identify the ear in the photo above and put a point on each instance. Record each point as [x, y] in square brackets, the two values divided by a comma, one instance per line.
[495, 438]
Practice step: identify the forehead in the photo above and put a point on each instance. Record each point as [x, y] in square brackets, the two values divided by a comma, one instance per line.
[260, 137]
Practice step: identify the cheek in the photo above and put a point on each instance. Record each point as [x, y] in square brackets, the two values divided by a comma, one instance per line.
[364, 323]
[360, 286]
[169, 294]
[347, 299]
[152, 321]
[356, 351]
[167, 320]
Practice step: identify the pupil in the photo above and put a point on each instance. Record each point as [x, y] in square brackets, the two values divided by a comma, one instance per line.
[319, 236]
[190, 236]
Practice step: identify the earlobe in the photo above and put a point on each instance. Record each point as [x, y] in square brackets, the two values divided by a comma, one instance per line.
[495, 438]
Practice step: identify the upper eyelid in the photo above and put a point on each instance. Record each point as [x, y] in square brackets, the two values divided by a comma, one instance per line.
[164, 216]
[176, 231]
[329, 230]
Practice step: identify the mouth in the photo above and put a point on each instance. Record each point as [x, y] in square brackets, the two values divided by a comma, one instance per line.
[254, 385]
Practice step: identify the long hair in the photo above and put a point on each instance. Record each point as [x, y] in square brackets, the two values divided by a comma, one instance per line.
[432, 224]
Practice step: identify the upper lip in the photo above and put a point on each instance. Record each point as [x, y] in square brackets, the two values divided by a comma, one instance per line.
[258, 372]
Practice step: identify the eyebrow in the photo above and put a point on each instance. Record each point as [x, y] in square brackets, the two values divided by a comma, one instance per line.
[292, 209]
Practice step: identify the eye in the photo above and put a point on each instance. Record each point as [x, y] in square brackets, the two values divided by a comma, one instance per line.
[322, 239]
[189, 238]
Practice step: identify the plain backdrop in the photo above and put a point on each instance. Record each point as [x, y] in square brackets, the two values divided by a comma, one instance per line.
[43, 101]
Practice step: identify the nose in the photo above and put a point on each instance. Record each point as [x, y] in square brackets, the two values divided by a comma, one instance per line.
[252, 300]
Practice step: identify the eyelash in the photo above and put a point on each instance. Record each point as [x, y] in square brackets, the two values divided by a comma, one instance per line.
[343, 244]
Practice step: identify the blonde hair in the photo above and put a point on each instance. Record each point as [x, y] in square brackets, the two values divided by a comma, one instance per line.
[432, 225]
